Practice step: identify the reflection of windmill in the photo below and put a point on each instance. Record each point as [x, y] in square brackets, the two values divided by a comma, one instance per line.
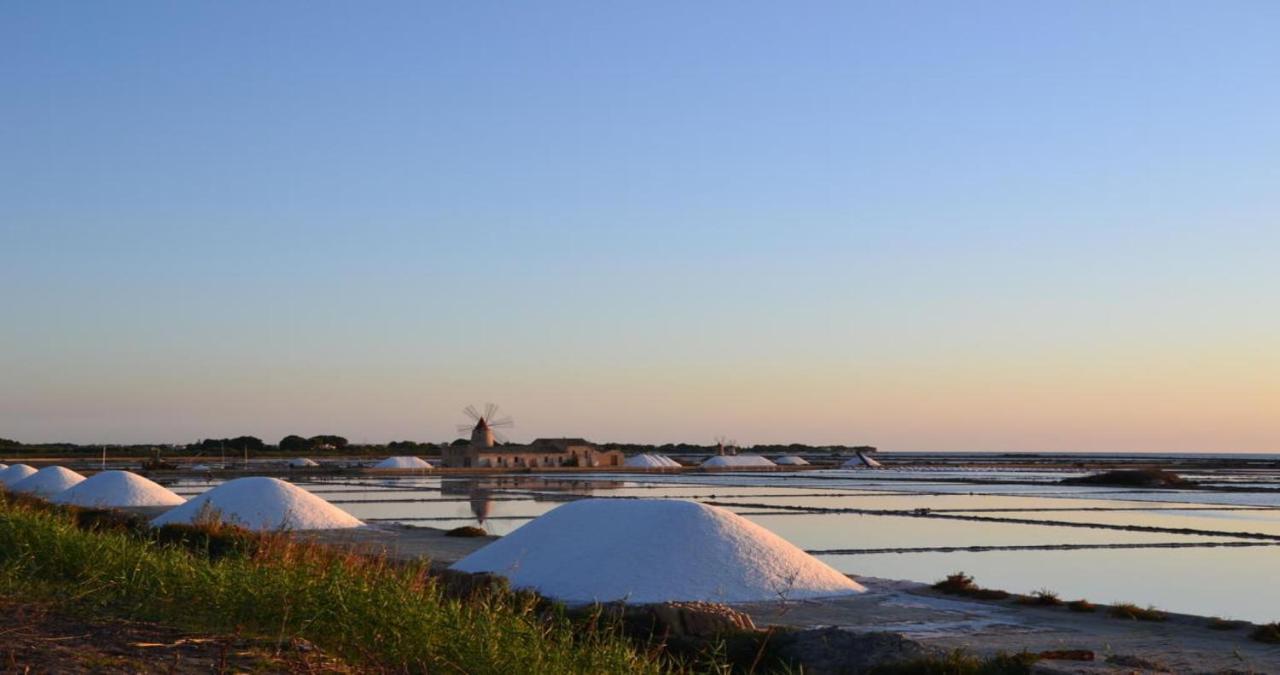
[482, 432]
[481, 503]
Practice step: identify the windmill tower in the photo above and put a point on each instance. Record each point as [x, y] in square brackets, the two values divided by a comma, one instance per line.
[482, 432]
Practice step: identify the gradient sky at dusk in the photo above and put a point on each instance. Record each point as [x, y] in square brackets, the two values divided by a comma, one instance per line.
[919, 225]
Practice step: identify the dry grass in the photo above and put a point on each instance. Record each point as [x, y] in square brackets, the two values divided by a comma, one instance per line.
[1082, 606]
[1128, 610]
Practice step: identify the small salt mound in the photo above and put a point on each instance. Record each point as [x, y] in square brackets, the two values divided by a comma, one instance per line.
[651, 461]
[118, 489]
[736, 461]
[15, 473]
[654, 550]
[3, 467]
[303, 463]
[791, 460]
[47, 482]
[260, 503]
[861, 462]
[402, 463]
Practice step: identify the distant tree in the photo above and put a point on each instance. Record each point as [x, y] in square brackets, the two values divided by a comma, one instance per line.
[460, 443]
[335, 441]
[294, 443]
[9, 443]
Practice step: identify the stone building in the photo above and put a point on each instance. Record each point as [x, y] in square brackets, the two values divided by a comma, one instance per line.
[482, 452]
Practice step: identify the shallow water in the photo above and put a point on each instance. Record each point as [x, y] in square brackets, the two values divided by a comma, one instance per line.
[1175, 571]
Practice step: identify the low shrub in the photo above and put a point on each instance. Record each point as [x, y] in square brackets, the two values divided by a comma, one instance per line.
[467, 531]
[1127, 610]
[1268, 633]
[1219, 623]
[1081, 605]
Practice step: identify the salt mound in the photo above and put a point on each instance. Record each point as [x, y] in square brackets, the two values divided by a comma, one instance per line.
[47, 482]
[15, 473]
[736, 461]
[116, 489]
[651, 461]
[260, 503]
[402, 463]
[861, 462]
[3, 467]
[654, 550]
[303, 463]
[791, 460]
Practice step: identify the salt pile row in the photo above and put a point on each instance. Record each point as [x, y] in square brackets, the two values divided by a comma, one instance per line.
[46, 482]
[736, 461]
[651, 461]
[118, 489]
[15, 473]
[654, 550]
[402, 463]
[256, 503]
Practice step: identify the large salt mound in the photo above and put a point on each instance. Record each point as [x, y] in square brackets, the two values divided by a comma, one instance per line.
[116, 489]
[402, 463]
[260, 503]
[651, 461]
[791, 460]
[15, 473]
[654, 550]
[47, 482]
[735, 461]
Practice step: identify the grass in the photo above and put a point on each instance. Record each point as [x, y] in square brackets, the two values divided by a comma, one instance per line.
[1082, 606]
[962, 662]
[1268, 633]
[363, 609]
[1041, 598]
[962, 584]
[1219, 623]
[1128, 610]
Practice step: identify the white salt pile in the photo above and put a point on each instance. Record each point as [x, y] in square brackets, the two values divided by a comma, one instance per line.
[861, 462]
[47, 482]
[654, 550]
[118, 489]
[402, 463]
[791, 460]
[260, 503]
[3, 467]
[15, 473]
[303, 463]
[736, 461]
[651, 461]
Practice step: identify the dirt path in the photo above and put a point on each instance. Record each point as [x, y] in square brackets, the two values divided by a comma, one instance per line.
[36, 638]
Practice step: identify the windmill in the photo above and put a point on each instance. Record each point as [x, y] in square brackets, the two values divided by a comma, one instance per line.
[724, 446]
[483, 425]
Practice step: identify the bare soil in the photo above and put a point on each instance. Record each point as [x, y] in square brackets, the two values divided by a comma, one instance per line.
[38, 638]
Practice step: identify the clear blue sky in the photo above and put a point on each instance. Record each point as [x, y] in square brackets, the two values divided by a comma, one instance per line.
[922, 225]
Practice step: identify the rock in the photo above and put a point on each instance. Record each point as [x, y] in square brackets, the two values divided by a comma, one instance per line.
[698, 619]
[835, 651]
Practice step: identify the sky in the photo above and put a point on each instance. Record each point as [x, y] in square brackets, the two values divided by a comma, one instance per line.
[925, 226]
